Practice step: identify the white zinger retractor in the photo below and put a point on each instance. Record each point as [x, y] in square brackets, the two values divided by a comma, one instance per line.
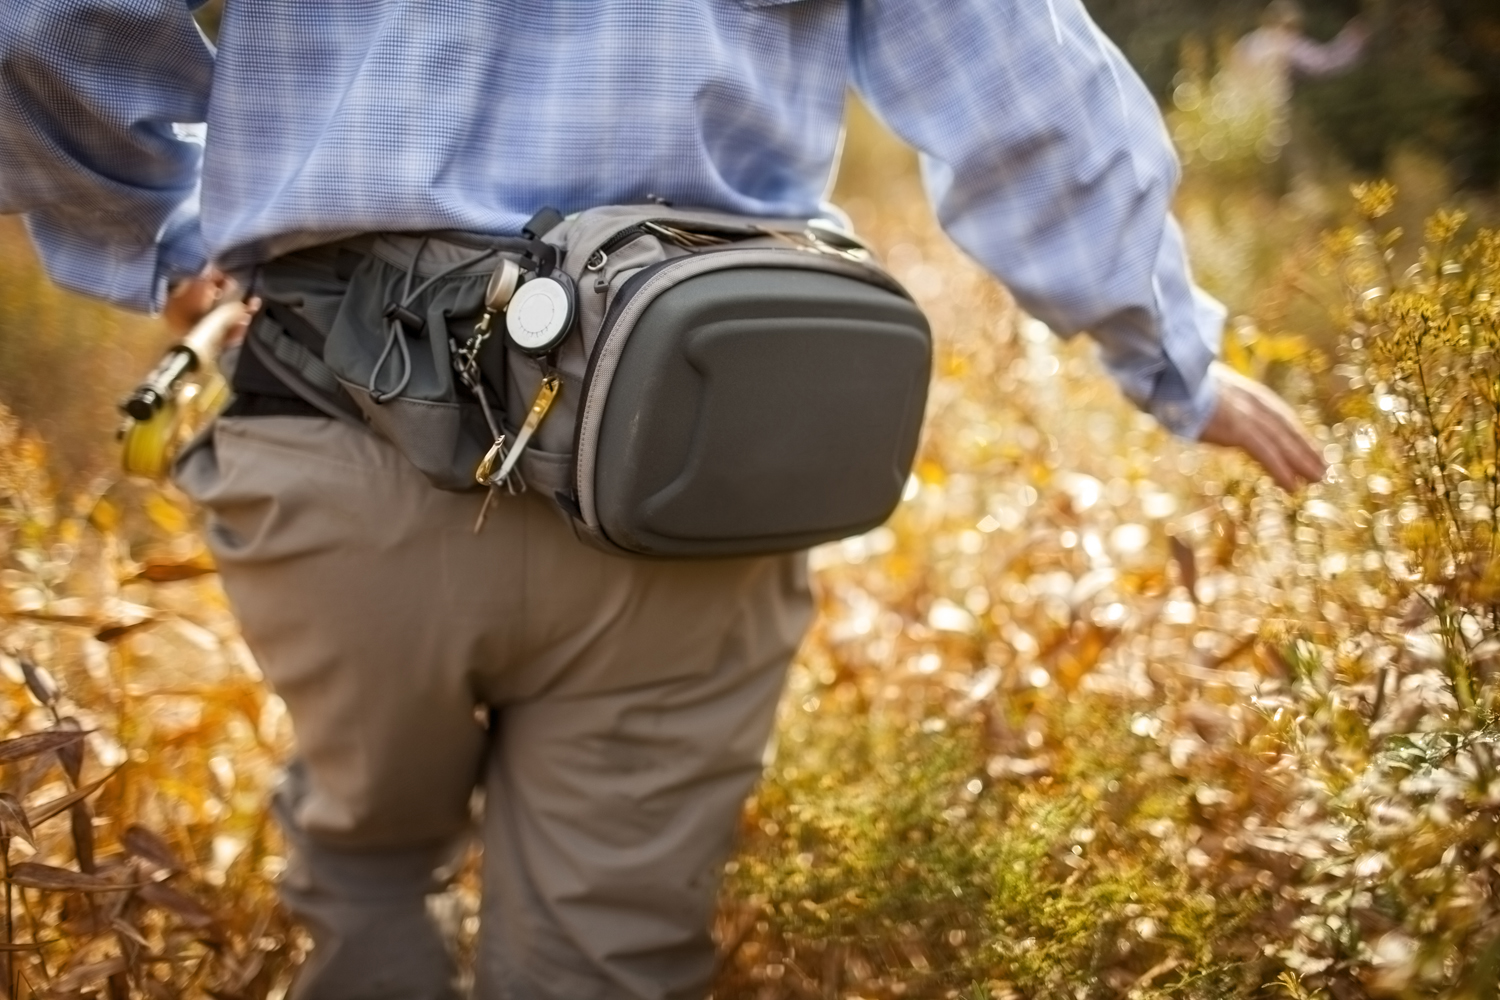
[540, 314]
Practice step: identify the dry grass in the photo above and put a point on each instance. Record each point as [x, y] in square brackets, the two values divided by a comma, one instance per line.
[140, 853]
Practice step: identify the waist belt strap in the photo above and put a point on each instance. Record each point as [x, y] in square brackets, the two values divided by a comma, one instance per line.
[279, 346]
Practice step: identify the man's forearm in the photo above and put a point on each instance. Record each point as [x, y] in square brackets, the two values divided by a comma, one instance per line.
[93, 152]
[1050, 164]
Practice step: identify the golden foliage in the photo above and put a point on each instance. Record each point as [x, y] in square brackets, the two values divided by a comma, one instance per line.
[133, 823]
[1099, 715]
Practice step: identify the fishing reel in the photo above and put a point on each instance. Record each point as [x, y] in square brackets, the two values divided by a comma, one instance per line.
[168, 406]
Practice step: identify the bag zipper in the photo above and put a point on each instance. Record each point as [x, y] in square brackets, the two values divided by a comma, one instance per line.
[601, 253]
[694, 239]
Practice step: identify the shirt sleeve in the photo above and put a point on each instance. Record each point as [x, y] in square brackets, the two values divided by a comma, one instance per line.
[1048, 161]
[99, 146]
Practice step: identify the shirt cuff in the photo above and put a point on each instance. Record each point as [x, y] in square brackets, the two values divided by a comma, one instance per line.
[181, 252]
[133, 276]
[1186, 415]
[1186, 393]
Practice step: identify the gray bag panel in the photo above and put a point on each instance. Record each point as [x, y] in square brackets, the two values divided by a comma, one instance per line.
[636, 298]
[760, 409]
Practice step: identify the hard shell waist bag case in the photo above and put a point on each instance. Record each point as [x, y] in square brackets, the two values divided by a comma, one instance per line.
[726, 386]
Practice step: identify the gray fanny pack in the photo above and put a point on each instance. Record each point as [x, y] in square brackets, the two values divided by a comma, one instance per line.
[678, 383]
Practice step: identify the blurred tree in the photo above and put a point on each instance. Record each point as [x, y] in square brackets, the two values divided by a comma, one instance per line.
[1151, 32]
[65, 361]
[1472, 30]
[1406, 90]
[1430, 77]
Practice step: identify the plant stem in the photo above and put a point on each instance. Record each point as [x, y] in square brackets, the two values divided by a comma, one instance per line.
[10, 920]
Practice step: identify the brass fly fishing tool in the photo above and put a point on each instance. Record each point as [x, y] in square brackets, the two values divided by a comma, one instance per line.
[168, 406]
[497, 295]
[487, 473]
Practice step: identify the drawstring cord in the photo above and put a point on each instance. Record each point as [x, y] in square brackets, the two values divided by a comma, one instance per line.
[395, 338]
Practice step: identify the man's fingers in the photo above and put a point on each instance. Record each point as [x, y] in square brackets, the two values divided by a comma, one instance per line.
[1267, 451]
[1302, 451]
[193, 298]
[1297, 453]
[236, 334]
[1260, 423]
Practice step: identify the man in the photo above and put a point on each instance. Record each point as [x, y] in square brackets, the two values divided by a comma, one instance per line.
[613, 710]
[1267, 60]
[1258, 79]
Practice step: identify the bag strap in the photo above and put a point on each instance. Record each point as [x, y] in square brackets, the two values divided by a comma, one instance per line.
[283, 353]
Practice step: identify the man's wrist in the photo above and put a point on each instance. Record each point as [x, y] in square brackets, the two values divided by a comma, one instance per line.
[181, 255]
[1185, 413]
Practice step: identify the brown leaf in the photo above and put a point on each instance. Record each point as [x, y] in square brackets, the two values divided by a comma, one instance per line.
[70, 755]
[26, 945]
[51, 808]
[34, 875]
[91, 973]
[67, 611]
[1187, 564]
[186, 908]
[251, 969]
[13, 819]
[159, 990]
[81, 820]
[36, 744]
[130, 932]
[118, 630]
[170, 571]
[1416, 612]
[40, 683]
[150, 847]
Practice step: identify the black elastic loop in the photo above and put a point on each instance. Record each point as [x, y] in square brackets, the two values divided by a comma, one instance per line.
[546, 259]
[543, 222]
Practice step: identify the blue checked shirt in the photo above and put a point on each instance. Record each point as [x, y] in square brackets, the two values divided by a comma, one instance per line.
[1044, 155]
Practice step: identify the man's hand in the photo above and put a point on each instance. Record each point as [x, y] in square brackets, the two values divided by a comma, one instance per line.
[1255, 420]
[194, 298]
[191, 299]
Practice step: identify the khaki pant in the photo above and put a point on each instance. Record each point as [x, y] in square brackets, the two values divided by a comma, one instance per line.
[614, 711]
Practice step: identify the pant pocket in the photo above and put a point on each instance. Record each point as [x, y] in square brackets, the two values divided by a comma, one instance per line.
[269, 486]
